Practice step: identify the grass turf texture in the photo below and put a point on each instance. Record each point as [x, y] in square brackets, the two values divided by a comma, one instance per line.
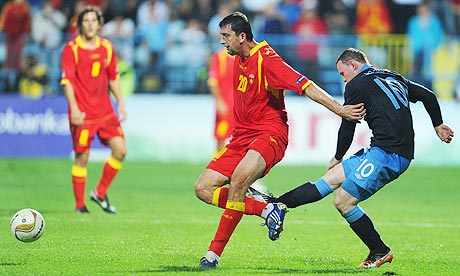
[162, 229]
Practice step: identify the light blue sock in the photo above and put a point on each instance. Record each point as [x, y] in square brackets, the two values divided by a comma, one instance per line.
[323, 188]
[353, 214]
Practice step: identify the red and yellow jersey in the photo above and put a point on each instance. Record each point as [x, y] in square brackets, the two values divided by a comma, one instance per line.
[88, 71]
[221, 75]
[259, 83]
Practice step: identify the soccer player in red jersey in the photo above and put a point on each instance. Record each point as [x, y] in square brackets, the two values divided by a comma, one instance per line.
[88, 70]
[260, 135]
[220, 83]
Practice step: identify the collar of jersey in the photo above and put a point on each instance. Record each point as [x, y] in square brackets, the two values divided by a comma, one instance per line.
[365, 67]
[82, 44]
[257, 47]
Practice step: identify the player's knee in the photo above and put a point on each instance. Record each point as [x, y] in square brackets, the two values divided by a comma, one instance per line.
[123, 153]
[340, 204]
[120, 153]
[81, 159]
[201, 191]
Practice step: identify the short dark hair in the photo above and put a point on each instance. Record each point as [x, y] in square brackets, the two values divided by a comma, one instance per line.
[352, 54]
[98, 12]
[239, 23]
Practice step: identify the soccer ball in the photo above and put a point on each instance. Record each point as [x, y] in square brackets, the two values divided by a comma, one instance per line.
[27, 225]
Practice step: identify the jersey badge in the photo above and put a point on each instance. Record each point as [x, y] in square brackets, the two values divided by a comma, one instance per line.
[251, 78]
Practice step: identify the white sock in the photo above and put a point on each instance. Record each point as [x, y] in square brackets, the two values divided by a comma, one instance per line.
[211, 256]
[267, 210]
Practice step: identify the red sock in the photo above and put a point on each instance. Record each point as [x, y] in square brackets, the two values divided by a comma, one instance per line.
[79, 185]
[110, 170]
[220, 196]
[252, 206]
[228, 222]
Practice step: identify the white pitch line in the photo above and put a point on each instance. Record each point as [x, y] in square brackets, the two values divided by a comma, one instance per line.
[395, 224]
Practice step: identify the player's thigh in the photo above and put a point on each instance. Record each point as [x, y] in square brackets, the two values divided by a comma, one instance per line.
[118, 146]
[271, 147]
[250, 168]
[335, 176]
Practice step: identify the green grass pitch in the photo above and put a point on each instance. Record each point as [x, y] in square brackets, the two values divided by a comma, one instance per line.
[161, 228]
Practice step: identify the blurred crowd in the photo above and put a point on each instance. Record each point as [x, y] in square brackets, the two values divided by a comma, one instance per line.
[163, 46]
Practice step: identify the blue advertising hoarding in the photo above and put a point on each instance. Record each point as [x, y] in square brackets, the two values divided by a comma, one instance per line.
[34, 128]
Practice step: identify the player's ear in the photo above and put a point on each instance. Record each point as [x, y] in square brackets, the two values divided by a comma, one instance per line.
[242, 37]
[353, 64]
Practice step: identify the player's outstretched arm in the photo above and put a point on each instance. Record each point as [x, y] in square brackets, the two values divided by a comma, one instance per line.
[349, 112]
[444, 133]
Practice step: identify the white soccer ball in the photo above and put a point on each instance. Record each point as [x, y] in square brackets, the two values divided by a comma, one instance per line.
[27, 225]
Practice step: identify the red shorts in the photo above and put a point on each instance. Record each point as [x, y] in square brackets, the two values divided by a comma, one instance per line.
[223, 127]
[105, 128]
[271, 148]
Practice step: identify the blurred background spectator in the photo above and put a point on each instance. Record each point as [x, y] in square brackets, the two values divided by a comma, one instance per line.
[120, 30]
[289, 10]
[338, 18]
[213, 25]
[33, 76]
[153, 18]
[72, 29]
[269, 21]
[48, 24]
[425, 33]
[309, 29]
[15, 22]
[401, 11]
[164, 46]
[373, 17]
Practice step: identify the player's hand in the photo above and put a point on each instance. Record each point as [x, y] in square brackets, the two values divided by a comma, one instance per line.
[354, 113]
[122, 113]
[77, 117]
[332, 163]
[444, 133]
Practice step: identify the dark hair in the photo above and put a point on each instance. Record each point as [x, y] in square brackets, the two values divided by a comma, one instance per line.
[239, 23]
[100, 18]
[352, 54]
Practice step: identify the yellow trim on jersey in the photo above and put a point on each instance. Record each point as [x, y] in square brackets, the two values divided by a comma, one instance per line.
[306, 84]
[235, 205]
[74, 47]
[259, 70]
[114, 163]
[82, 44]
[65, 81]
[215, 197]
[257, 47]
[109, 48]
[79, 171]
